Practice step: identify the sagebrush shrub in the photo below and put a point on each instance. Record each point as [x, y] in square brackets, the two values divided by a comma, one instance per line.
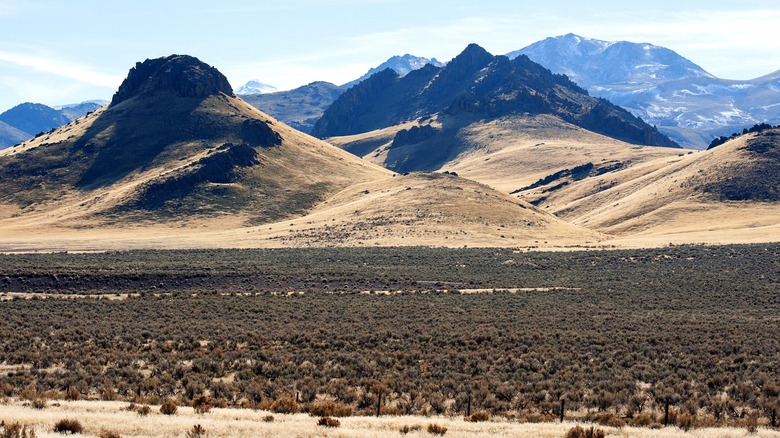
[67, 425]
[168, 407]
[328, 422]
[435, 429]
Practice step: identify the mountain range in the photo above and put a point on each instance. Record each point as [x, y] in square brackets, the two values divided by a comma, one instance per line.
[28, 119]
[504, 153]
[663, 88]
[255, 87]
[474, 85]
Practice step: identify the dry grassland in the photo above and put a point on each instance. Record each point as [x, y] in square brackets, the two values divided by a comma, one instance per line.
[101, 417]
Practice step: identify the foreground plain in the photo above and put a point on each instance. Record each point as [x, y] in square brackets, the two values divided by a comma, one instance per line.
[418, 331]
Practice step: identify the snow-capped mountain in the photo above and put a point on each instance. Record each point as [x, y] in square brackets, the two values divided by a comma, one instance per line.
[400, 64]
[256, 87]
[590, 62]
[660, 86]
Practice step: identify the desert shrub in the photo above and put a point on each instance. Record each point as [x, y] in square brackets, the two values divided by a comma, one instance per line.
[478, 416]
[72, 394]
[197, 431]
[751, 424]
[16, 430]
[67, 425]
[38, 403]
[610, 419]
[579, 432]
[168, 407]
[330, 409]
[144, 410]
[109, 395]
[641, 420]
[435, 429]
[285, 405]
[686, 421]
[109, 434]
[268, 419]
[328, 422]
[202, 404]
[406, 429]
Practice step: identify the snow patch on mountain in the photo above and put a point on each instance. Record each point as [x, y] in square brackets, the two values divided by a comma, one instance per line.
[256, 87]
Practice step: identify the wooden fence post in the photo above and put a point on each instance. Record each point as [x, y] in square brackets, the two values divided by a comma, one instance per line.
[563, 404]
[468, 406]
[378, 403]
[666, 414]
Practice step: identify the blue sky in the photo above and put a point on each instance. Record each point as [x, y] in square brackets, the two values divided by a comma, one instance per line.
[57, 52]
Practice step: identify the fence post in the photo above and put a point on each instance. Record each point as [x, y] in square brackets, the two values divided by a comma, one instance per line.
[774, 417]
[468, 406]
[378, 403]
[563, 404]
[666, 413]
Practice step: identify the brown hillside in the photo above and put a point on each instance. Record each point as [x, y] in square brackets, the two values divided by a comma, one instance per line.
[174, 145]
[728, 194]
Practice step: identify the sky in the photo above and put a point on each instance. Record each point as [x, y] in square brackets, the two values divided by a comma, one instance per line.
[57, 52]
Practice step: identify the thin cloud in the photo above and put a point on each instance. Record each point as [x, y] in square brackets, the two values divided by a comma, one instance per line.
[61, 68]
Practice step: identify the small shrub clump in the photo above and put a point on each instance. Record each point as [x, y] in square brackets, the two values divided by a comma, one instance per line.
[328, 422]
[435, 429]
[109, 434]
[202, 404]
[406, 429]
[197, 431]
[168, 407]
[579, 432]
[15, 430]
[285, 405]
[67, 425]
[478, 416]
[330, 409]
[268, 419]
[38, 403]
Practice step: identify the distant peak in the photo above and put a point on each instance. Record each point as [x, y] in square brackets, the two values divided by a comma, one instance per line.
[185, 75]
[473, 54]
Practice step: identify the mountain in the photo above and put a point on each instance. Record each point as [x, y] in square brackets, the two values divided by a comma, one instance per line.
[663, 88]
[255, 87]
[10, 136]
[595, 63]
[75, 110]
[174, 145]
[33, 118]
[402, 65]
[474, 85]
[299, 108]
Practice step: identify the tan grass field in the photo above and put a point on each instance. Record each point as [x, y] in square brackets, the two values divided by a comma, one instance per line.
[99, 417]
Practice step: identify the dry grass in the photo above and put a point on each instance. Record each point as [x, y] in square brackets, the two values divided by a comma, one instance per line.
[98, 417]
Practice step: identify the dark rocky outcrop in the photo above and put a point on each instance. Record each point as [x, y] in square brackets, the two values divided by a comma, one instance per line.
[488, 86]
[184, 75]
[415, 134]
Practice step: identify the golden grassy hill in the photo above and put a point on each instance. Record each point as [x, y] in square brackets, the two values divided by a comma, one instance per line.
[727, 194]
[165, 152]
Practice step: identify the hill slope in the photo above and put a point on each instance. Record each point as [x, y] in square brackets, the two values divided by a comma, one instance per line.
[174, 144]
[33, 118]
[476, 84]
[728, 191]
[10, 136]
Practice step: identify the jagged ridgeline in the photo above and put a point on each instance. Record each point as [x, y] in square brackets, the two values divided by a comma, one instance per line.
[174, 142]
[485, 86]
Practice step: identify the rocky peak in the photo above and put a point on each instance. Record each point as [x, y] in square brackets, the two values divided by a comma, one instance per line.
[186, 76]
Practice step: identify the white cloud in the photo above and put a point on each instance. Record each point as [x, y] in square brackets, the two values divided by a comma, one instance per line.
[61, 68]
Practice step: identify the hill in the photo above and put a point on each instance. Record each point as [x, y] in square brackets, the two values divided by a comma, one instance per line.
[728, 192]
[475, 84]
[299, 108]
[175, 144]
[663, 88]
